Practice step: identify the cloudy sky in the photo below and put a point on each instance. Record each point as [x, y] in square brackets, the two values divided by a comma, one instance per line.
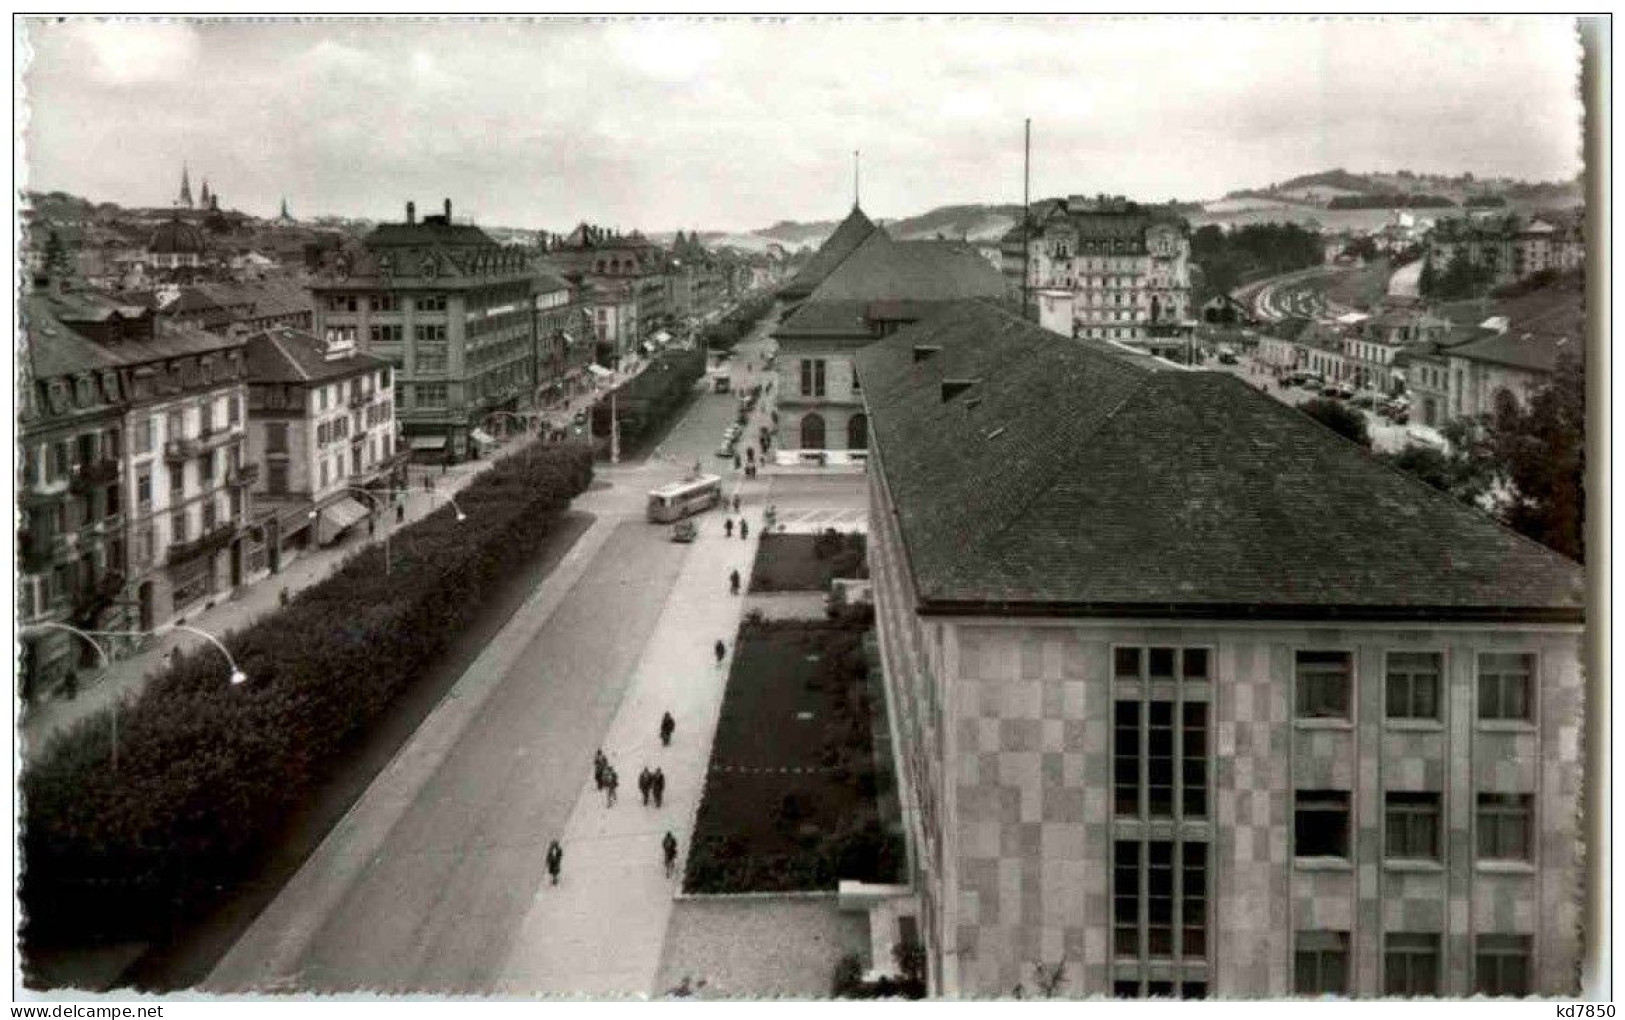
[735, 124]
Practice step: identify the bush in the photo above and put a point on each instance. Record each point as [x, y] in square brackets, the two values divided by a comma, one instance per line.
[1344, 420]
[207, 772]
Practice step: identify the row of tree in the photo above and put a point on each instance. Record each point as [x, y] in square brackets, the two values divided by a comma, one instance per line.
[1524, 463]
[207, 772]
[1390, 200]
[726, 332]
[652, 396]
[1252, 252]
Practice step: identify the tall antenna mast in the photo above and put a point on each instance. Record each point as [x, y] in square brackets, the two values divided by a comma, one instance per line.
[856, 166]
[1026, 212]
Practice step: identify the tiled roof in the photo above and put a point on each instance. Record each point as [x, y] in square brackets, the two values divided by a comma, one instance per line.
[422, 235]
[851, 233]
[1075, 478]
[1529, 351]
[893, 279]
[294, 356]
[56, 348]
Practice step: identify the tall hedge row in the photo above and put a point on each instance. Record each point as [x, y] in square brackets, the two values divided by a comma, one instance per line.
[207, 772]
[651, 397]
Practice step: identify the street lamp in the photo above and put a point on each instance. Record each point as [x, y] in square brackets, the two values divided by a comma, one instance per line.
[236, 677]
[376, 505]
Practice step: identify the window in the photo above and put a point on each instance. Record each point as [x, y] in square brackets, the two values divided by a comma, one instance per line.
[208, 515]
[177, 526]
[324, 472]
[1193, 757]
[143, 436]
[431, 394]
[1505, 680]
[1126, 898]
[429, 334]
[234, 411]
[177, 482]
[1193, 900]
[1410, 964]
[1501, 965]
[205, 469]
[276, 437]
[1413, 825]
[1320, 963]
[1160, 759]
[385, 303]
[1126, 758]
[1126, 663]
[1505, 821]
[1323, 680]
[432, 303]
[1320, 824]
[424, 361]
[1413, 685]
[143, 491]
[276, 479]
[1160, 663]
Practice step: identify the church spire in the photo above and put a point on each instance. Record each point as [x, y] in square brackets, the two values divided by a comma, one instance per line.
[857, 166]
[185, 199]
[285, 215]
[204, 197]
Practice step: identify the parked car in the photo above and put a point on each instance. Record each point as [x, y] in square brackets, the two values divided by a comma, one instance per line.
[683, 531]
[1227, 358]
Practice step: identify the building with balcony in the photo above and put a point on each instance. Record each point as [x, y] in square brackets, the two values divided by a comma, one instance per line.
[1106, 268]
[451, 311]
[186, 540]
[880, 287]
[321, 422]
[72, 561]
[627, 280]
[564, 338]
[1194, 698]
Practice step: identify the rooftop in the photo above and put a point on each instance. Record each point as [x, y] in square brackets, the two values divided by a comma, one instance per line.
[1071, 477]
[851, 233]
[286, 355]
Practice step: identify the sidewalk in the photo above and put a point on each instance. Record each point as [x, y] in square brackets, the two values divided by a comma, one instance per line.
[249, 603]
[601, 931]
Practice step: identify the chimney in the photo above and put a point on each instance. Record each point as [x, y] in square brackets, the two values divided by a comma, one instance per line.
[924, 351]
[448, 211]
[952, 388]
[411, 213]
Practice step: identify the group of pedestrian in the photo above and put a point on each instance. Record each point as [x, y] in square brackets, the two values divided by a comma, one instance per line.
[652, 783]
[605, 777]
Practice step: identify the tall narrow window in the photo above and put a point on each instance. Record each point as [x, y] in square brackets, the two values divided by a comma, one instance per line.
[1193, 901]
[1413, 685]
[1193, 758]
[1504, 824]
[1323, 681]
[1126, 898]
[1413, 825]
[1320, 825]
[1160, 760]
[1126, 759]
[1320, 963]
[1505, 681]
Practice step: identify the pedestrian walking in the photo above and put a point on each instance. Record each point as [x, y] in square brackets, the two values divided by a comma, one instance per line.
[736, 502]
[744, 529]
[721, 650]
[668, 848]
[733, 582]
[737, 462]
[600, 768]
[667, 726]
[728, 527]
[611, 781]
[555, 860]
[657, 785]
[646, 782]
[282, 597]
[400, 512]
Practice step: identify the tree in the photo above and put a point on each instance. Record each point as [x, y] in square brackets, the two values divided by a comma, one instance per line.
[1345, 421]
[55, 254]
[1540, 450]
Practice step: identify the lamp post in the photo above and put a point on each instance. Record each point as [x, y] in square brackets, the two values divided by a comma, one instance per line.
[236, 677]
[376, 505]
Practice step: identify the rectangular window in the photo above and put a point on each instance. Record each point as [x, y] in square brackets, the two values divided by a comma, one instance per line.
[1505, 683]
[276, 437]
[234, 410]
[1505, 821]
[143, 491]
[177, 526]
[1320, 824]
[806, 377]
[208, 515]
[1501, 965]
[425, 361]
[1323, 681]
[143, 436]
[1193, 758]
[1126, 758]
[1413, 685]
[818, 378]
[324, 472]
[177, 481]
[431, 394]
[1126, 663]
[1320, 963]
[205, 469]
[1410, 964]
[1159, 899]
[1126, 898]
[1413, 825]
[276, 479]
[1160, 760]
[1193, 901]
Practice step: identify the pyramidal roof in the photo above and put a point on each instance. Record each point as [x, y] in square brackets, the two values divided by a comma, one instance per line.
[851, 233]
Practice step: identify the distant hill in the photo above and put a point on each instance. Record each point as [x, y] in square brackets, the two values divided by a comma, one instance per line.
[1329, 186]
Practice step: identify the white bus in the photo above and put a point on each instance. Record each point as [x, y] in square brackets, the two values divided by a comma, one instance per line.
[679, 499]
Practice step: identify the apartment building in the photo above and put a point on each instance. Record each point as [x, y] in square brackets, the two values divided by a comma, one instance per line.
[453, 314]
[1509, 247]
[1107, 268]
[1195, 699]
[321, 424]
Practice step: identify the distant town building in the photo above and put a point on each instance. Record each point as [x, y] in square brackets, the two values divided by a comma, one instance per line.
[1507, 246]
[451, 310]
[1106, 268]
[877, 288]
[321, 423]
[1277, 721]
[630, 286]
[564, 338]
[176, 244]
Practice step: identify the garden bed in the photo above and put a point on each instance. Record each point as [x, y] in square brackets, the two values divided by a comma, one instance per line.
[789, 799]
[807, 562]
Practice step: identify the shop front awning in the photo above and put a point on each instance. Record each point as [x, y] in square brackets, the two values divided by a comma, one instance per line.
[332, 519]
[427, 442]
[482, 436]
[600, 371]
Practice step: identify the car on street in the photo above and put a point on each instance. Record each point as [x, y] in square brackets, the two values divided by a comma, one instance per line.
[581, 417]
[726, 449]
[683, 531]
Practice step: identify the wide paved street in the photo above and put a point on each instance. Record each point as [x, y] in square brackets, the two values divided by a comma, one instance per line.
[435, 881]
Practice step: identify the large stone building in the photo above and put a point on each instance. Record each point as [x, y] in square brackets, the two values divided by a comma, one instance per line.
[880, 286]
[1106, 268]
[451, 310]
[1195, 698]
[564, 338]
[624, 277]
[1508, 248]
[321, 423]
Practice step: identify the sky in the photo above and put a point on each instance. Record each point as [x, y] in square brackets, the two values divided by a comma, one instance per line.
[734, 124]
